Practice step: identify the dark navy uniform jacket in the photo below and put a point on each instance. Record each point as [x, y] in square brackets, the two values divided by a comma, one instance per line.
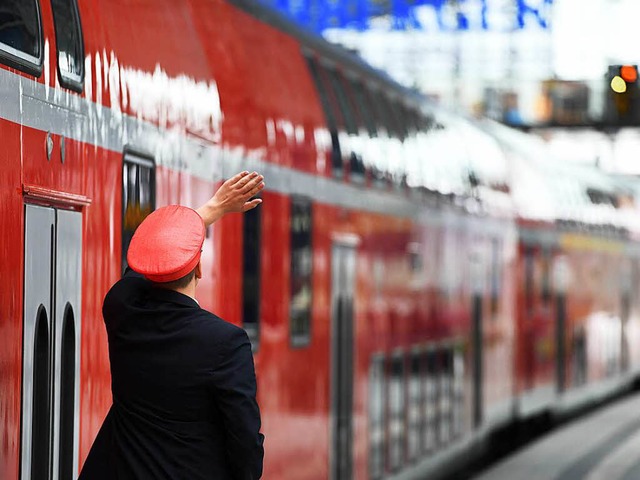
[184, 392]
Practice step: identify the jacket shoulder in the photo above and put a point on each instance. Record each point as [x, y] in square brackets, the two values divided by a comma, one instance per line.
[219, 329]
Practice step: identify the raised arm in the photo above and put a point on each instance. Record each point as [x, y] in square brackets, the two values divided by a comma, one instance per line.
[233, 196]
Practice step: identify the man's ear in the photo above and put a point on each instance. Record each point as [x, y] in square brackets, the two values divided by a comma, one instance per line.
[199, 271]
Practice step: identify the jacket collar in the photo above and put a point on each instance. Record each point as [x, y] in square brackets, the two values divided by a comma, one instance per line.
[172, 296]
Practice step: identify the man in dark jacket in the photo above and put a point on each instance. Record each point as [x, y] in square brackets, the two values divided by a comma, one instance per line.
[183, 380]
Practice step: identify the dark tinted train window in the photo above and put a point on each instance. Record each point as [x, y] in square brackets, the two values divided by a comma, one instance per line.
[138, 196]
[397, 424]
[330, 114]
[324, 98]
[446, 396]
[415, 400]
[301, 270]
[365, 108]
[391, 115]
[343, 102]
[431, 401]
[251, 258]
[21, 35]
[69, 43]
[377, 410]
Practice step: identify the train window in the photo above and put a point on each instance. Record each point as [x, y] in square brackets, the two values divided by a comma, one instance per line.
[41, 432]
[381, 114]
[357, 169]
[21, 35]
[324, 98]
[331, 117]
[301, 270]
[377, 404]
[69, 43]
[445, 410]
[415, 393]
[393, 125]
[251, 260]
[396, 412]
[458, 390]
[138, 196]
[403, 118]
[343, 102]
[431, 395]
[67, 395]
[363, 105]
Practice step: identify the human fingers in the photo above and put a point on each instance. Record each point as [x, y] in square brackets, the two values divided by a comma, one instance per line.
[236, 178]
[255, 190]
[251, 184]
[251, 205]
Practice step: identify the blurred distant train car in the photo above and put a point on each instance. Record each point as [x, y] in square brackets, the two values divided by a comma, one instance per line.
[396, 285]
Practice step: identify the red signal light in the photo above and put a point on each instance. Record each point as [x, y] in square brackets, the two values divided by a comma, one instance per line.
[629, 73]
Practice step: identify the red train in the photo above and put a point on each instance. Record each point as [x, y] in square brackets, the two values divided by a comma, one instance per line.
[405, 292]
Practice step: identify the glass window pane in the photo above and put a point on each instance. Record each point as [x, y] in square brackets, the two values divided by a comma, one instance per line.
[20, 29]
[376, 418]
[301, 269]
[251, 234]
[69, 42]
[138, 197]
[396, 425]
[343, 103]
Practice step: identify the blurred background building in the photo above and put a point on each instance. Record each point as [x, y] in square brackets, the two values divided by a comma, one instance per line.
[564, 69]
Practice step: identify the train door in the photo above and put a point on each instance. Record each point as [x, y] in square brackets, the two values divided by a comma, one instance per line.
[51, 341]
[342, 346]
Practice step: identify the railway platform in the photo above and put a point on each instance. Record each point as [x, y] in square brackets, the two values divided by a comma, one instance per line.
[602, 445]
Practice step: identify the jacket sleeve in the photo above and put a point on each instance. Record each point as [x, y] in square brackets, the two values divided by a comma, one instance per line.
[234, 385]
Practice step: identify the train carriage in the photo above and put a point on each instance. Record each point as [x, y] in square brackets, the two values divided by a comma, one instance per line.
[378, 281]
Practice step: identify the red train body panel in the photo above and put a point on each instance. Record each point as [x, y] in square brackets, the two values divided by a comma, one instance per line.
[395, 313]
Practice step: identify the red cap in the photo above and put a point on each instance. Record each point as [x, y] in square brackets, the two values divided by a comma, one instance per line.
[167, 244]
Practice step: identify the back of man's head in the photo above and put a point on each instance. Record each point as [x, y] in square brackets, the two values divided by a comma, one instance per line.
[167, 245]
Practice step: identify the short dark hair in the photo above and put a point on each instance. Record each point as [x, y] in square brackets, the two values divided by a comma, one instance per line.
[180, 283]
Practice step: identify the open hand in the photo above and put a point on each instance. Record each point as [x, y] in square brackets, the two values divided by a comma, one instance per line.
[234, 195]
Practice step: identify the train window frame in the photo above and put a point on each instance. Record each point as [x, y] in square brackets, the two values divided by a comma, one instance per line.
[20, 60]
[132, 157]
[252, 224]
[69, 79]
[301, 338]
[377, 416]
